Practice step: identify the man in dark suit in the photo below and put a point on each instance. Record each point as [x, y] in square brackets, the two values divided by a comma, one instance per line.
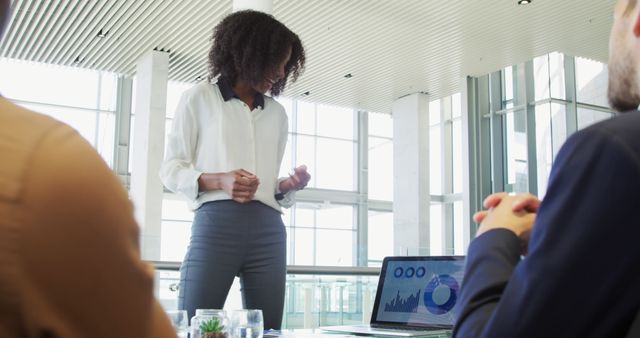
[581, 276]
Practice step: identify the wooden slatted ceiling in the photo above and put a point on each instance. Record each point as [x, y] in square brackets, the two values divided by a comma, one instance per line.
[391, 47]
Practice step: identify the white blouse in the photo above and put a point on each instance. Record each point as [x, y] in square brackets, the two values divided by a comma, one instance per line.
[211, 135]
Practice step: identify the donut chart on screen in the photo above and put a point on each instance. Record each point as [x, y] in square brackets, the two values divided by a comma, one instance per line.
[441, 294]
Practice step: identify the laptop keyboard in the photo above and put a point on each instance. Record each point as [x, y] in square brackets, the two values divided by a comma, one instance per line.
[398, 328]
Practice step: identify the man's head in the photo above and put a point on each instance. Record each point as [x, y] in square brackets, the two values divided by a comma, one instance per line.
[4, 15]
[624, 57]
[256, 48]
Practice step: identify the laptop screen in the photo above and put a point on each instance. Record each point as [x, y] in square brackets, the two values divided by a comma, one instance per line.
[418, 291]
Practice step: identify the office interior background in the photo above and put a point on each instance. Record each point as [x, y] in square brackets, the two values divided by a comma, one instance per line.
[408, 115]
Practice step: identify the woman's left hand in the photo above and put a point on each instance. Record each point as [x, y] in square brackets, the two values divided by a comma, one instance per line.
[297, 181]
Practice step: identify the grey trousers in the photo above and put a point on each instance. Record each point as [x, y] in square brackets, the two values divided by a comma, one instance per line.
[231, 239]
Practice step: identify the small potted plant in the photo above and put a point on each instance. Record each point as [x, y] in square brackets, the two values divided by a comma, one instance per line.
[212, 328]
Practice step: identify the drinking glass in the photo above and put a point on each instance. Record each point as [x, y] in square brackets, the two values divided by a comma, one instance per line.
[246, 324]
[180, 322]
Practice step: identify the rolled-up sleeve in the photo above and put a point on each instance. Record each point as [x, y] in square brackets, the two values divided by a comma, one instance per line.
[177, 171]
[288, 199]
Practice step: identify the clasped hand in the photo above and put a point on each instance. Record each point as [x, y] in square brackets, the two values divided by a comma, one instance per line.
[241, 185]
[516, 213]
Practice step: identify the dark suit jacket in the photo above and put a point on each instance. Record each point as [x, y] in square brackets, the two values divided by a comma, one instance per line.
[581, 277]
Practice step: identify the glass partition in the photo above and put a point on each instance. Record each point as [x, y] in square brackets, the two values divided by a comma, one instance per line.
[311, 300]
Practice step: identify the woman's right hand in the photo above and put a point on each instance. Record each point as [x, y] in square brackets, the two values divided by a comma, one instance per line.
[239, 184]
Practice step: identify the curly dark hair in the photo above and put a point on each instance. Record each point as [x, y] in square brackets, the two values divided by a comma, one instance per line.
[248, 44]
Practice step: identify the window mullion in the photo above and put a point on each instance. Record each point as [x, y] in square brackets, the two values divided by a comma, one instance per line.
[447, 174]
[361, 249]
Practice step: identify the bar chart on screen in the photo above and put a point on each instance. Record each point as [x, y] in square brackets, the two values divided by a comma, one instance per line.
[399, 304]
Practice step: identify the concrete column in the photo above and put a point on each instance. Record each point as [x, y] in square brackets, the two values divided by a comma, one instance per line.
[148, 148]
[265, 6]
[411, 200]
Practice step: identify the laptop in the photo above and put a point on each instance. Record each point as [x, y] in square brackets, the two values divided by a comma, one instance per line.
[416, 296]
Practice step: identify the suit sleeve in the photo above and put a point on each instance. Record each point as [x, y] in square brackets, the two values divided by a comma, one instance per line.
[491, 259]
[82, 264]
[580, 278]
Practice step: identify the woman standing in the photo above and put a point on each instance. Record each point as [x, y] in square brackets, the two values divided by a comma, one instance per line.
[224, 154]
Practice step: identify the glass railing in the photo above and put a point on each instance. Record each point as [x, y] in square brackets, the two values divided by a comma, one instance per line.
[314, 296]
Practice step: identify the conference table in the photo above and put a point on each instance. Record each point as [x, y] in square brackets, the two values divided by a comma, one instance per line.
[318, 333]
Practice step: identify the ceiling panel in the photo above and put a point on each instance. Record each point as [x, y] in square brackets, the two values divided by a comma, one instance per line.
[392, 48]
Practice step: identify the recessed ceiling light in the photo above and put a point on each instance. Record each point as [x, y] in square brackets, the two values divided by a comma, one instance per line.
[305, 93]
[102, 34]
[524, 2]
[348, 76]
[198, 78]
[78, 60]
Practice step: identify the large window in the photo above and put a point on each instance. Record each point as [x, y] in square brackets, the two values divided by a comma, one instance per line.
[84, 99]
[591, 82]
[551, 132]
[516, 151]
[445, 176]
[321, 234]
[322, 229]
[176, 228]
[325, 140]
[562, 104]
[176, 216]
[553, 118]
[514, 133]
[456, 142]
[436, 182]
[379, 187]
[380, 236]
[587, 117]
[380, 164]
[174, 93]
[549, 76]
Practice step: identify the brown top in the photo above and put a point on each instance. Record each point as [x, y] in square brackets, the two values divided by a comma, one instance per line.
[69, 259]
